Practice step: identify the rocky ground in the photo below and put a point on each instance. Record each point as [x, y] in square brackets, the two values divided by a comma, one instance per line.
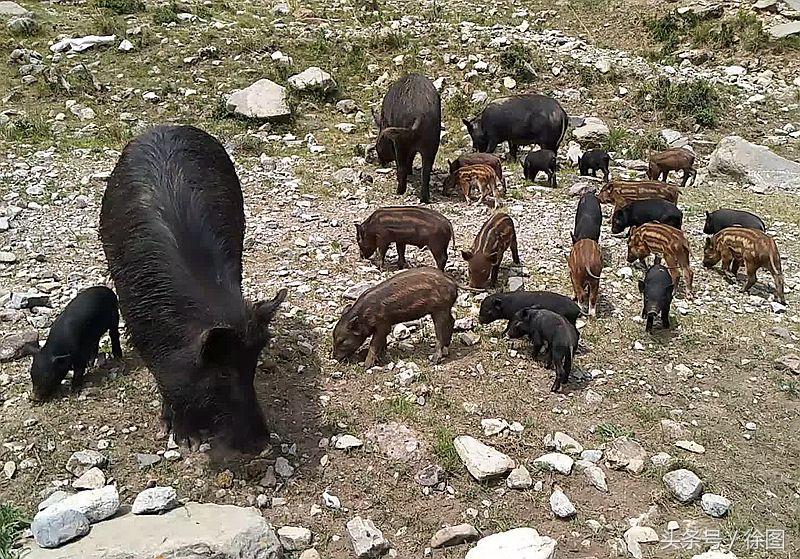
[382, 445]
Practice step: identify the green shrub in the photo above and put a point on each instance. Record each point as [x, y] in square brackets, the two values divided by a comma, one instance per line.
[12, 523]
[121, 7]
[695, 99]
[521, 62]
[166, 13]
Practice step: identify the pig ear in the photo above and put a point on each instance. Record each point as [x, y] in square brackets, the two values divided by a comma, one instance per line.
[641, 286]
[468, 124]
[216, 344]
[354, 325]
[466, 254]
[265, 310]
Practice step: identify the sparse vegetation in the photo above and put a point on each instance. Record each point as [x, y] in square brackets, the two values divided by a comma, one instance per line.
[521, 62]
[121, 7]
[697, 100]
[445, 451]
[609, 431]
[165, 13]
[12, 523]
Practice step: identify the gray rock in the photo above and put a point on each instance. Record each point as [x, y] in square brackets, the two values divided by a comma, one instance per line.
[155, 500]
[147, 460]
[95, 504]
[368, 542]
[264, 100]
[11, 9]
[354, 292]
[294, 538]
[52, 528]
[313, 79]
[560, 504]
[515, 283]
[283, 468]
[625, 453]
[310, 554]
[684, 485]
[29, 300]
[519, 478]
[702, 11]
[673, 138]
[596, 478]
[784, 30]
[430, 476]
[493, 426]
[346, 106]
[671, 430]
[593, 132]
[592, 456]
[519, 543]
[660, 459]
[790, 361]
[348, 442]
[555, 461]
[482, 461]
[54, 498]
[346, 175]
[561, 442]
[93, 478]
[199, 531]
[715, 505]
[83, 460]
[17, 346]
[754, 164]
[396, 441]
[454, 535]
[9, 469]
[691, 446]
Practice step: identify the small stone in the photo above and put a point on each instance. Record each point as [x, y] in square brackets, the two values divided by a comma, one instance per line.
[561, 442]
[560, 504]
[263, 99]
[592, 456]
[331, 501]
[691, 446]
[671, 430]
[493, 426]
[367, 540]
[715, 505]
[509, 82]
[625, 453]
[454, 535]
[519, 478]
[750, 426]
[83, 460]
[52, 528]
[92, 478]
[469, 338]
[310, 554]
[7, 257]
[347, 442]
[593, 398]
[430, 476]
[9, 469]
[125, 46]
[597, 478]
[638, 535]
[312, 79]
[684, 485]
[355, 291]
[172, 455]
[283, 468]
[346, 106]
[294, 538]
[555, 461]
[790, 361]
[515, 283]
[147, 460]
[155, 501]
[482, 461]
[660, 459]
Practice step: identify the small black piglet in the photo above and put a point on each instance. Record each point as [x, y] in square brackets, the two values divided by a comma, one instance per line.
[657, 288]
[543, 326]
[588, 218]
[503, 306]
[646, 211]
[544, 161]
[74, 341]
[592, 161]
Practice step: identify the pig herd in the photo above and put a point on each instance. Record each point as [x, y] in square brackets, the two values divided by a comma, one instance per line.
[172, 228]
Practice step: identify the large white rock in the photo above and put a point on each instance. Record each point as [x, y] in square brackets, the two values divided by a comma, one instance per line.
[561, 442]
[560, 504]
[684, 485]
[555, 461]
[263, 99]
[519, 543]
[784, 30]
[11, 9]
[199, 531]
[593, 132]
[482, 461]
[312, 79]
[51, 529]
[155, 501]
[715, 505]
[96, 505]
[367, 539]
[754, 164]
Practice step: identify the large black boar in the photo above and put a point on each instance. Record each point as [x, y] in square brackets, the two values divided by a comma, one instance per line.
[721, 219]
[172, 227]
[521, 120]
[410, 123]
[74, 339]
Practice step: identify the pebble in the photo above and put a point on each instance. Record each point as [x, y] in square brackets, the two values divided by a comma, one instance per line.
[331, 501]
[9, 469]
[430, 476]
[493, 426]
[147, 460]
[519, 478]
[346, 442]
[155, 500]
[560, 504]
[715, 505]
[367, 540]
[172, 455]
[283, 468]
[691, 446]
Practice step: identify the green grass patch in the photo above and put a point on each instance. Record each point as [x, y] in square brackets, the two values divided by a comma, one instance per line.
[610, 431]
[399, 408]
[445, 450]
[12, 523]
[120, 7]
[165, 13]
[521, 62]
[697, 100]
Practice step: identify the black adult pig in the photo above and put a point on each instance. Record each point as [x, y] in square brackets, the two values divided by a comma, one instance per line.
[588, 218]
[505, 305]
[410, 123]
[718, 220]
[172, 227]
[646, 211]
[592, 161]
[521, 120]
[74, 339]
[546, 327]
[657, 288]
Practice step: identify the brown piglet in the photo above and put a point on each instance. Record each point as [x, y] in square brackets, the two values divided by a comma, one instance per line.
[622, 193]
[478, 177]
[738, 245]
[677, 159]
[408, 295]
[585, 264]
[669, 242]
[478, 158]
[405, 225]
[491, 242]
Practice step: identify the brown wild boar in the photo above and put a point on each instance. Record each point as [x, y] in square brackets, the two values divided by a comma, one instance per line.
[405, 225]
[677, 159]
[657, 238]
[478, 177]
[736, 246]
[407, 295]
[622, 193]
[585, 264]
[496, 235]
[478, 159]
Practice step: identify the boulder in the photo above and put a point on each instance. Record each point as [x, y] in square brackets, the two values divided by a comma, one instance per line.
[155, 500]
[754, 164]
[263, 99]
[17, 346]
[519, 543]
[368, 541]
[482, 461]
[11, 9]
[454, 535]
[313, 79]
[593, 132]
[95, 504]
[51, 529]
[199, 531]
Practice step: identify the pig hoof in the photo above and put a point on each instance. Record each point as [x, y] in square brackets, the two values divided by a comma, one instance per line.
[446, 350]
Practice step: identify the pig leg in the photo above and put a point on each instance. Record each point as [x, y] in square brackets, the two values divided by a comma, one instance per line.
[440, 256]
[405, 164]
[382, 248]
[165, 423]
[401, 256]
[512, 150]
[425, 187]
[77, 378]
[778, 278]
[376, 347]
[443, 323]
[116, 348]
[594, 289]
[665, 317]
[751, 268]
[735, 265]
[688, 277]
[514, 250]
[649, 326]
[495, 273]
